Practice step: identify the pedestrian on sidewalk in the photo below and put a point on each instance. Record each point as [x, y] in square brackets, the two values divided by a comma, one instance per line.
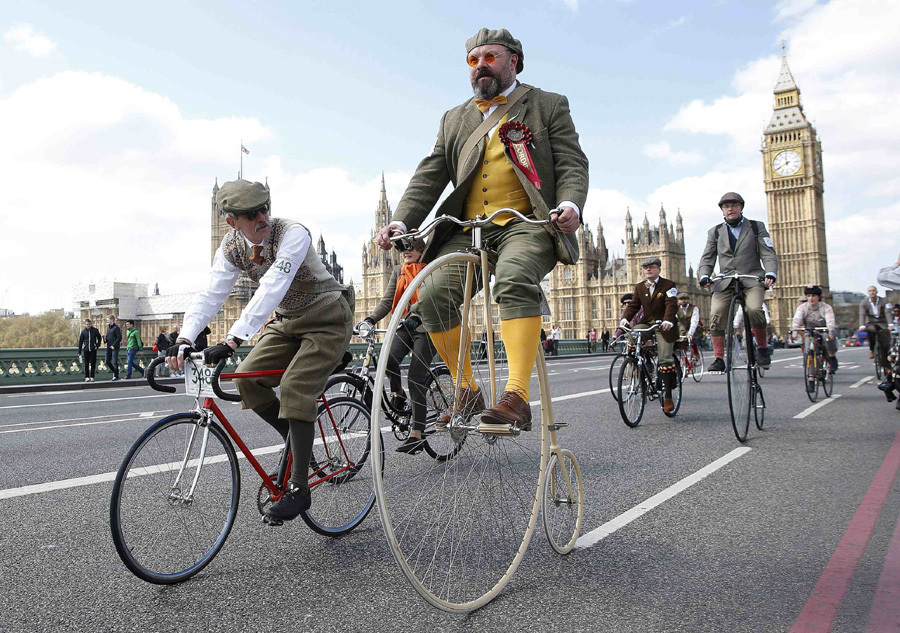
[162, 344]
[88, 343]
[592, 340]
[555, 336]
[604, 341]
[113, 343]
[133, 346]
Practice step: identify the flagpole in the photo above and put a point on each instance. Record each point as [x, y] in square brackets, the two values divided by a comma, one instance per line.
[241, 151]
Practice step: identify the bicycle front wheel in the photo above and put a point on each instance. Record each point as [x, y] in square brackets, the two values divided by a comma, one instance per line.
[697, 365]
[562, 504]
[459, 528]
[341, 486]
[811, 376]
[614, 376]
[174, 499]
[631, 391]
[738, 367]
[826, 376]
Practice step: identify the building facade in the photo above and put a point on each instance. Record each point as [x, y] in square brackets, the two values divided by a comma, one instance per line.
[377, 264]
[794, 181]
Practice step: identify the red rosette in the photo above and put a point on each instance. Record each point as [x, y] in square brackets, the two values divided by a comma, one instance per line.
[516, 136]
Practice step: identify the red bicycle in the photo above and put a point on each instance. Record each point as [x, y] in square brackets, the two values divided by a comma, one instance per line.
[175, 496]
[691, 358]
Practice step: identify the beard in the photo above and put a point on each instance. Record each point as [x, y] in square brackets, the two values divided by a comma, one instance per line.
[487, 84]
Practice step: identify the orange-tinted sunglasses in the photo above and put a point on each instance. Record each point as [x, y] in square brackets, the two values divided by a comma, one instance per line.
[487, 57]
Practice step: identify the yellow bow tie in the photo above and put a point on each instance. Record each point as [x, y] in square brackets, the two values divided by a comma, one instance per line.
[485, 104]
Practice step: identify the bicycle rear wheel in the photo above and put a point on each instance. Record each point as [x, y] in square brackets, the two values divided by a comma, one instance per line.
[676, 391]
[614, 376]
[698, 365]
[562, 504]
[174, 499]
[458, 528]
[738, 361]
[341, 488]
[438, 398]
[631, 391]
[811, 376]
[759, 408]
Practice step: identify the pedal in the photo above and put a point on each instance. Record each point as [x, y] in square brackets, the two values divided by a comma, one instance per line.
[271, 521]
[498, 430]
[557, 426]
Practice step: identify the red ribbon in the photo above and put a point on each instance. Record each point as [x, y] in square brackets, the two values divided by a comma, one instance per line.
[516, 136]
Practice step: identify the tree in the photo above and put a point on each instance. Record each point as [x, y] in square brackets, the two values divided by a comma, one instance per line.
[45, 330]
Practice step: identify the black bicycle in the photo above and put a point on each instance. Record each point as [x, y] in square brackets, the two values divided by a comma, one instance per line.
[359, 383]
[815, 365]
[745, 395]
[639, 379]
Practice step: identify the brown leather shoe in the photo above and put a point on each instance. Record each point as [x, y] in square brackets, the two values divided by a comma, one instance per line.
[668, 405]
[510, 409]
[470, 403]
[871, 355]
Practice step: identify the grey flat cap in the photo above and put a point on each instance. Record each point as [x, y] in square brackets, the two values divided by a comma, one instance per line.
[241, 196]
[651, 261]
[501, 37]
[731, 197]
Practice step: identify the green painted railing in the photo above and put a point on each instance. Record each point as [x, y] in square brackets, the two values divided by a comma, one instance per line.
[27, 366]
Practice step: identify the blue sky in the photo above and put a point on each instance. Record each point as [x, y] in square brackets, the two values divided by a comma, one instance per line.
[124, 114]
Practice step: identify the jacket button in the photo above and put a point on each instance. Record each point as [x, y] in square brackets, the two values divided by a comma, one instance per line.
[485, 162]
[484, 175]
[485, 189]
[485, 203]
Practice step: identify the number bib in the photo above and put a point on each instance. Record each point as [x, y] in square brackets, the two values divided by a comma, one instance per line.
[197, 379]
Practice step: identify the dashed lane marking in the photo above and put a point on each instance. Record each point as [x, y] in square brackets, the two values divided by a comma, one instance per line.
[860, 383]
[61, 404]
[598, 534]
[142, 414]
[816, 406]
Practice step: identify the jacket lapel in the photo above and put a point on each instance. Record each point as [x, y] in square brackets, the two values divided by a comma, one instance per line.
[745, 229]
[472, 118]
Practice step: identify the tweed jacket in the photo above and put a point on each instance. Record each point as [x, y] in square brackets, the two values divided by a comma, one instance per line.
[662, 306]
[865, 312]
[555, 150]
[749, 257]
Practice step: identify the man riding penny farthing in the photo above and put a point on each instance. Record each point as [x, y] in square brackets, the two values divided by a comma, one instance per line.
[512, 146]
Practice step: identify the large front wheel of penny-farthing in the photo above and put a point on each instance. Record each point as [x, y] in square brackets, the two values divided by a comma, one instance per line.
[739, 366]
[562, 504]
[459, 527]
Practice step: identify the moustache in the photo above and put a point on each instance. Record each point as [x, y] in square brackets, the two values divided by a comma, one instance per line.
[261, 226]
[485, 72]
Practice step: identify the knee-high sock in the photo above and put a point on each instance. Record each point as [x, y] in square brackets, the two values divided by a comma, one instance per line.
[521, 338]
[761, 339]
[718, 343]
[302, 434]
[447, 345]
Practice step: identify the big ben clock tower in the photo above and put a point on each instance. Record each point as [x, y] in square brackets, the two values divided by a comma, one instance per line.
[792, 168]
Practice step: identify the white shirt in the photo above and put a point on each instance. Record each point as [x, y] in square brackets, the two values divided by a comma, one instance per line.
[484, 116]
[272, 287]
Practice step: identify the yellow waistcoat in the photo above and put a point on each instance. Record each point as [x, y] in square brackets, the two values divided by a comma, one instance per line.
[496, 186]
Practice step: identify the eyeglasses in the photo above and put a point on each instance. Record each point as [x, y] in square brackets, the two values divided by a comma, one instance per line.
[252, 214]
[489, 58]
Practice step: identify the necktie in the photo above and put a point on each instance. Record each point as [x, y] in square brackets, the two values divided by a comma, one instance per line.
[256, 257]
[485, 104]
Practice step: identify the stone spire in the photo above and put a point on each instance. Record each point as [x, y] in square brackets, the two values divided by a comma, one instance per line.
[663, 224]
[785, 81]
[383, 212]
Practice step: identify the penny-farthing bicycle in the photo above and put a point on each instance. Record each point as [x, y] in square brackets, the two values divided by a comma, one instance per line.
[459, 528]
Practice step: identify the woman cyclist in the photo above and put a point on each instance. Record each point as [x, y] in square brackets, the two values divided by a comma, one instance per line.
[410, 337]
[814, 313]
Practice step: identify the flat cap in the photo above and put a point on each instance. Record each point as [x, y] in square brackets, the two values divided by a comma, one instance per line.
[241, 196]
[501, 37]
[651, 261]
[731, 197]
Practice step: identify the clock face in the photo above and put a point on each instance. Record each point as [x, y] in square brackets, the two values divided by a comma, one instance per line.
[786, 163]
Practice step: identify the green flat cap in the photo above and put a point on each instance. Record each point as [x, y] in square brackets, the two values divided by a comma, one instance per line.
[497, 36]
[241, 196]
[651, 261]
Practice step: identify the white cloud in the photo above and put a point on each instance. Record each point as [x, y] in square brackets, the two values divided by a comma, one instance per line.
[663, 151]
[793, 8]
[106, 180]
[26, 40]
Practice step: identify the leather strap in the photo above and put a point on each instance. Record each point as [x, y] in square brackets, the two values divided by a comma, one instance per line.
[486, 126]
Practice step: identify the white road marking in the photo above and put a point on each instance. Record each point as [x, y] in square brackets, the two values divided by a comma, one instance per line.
[60, 404]
[143, 414]
[66, 426]
[816, 406]
[598, 534]
[860, 383]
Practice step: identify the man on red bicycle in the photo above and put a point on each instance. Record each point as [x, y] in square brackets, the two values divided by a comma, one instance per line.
[688, 316]
[656, 296]
[741, 246]
[311, 330]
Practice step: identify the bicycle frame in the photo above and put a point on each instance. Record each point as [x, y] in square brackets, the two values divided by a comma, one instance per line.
[635, 348]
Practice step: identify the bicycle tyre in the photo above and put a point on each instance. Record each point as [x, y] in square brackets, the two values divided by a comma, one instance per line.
[349, 385]
[614, 375]
[738, 366]
[810, 376]
[459, 528]
[759, 408]
[342, 495]
[439, 396]
[828, 378]
[676, 392]
[879, 370]
[697, 368]
[561, 508]
[145, 500]
[632, 392]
